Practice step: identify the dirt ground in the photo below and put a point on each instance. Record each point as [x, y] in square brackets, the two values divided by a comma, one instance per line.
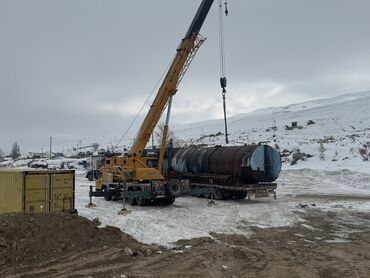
[324, 244]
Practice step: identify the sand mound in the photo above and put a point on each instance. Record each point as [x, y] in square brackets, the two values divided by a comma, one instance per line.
[27, 238]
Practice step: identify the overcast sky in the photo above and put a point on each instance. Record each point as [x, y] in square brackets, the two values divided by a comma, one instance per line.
[81, 69]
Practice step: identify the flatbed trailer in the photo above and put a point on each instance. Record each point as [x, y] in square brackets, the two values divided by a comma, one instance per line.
[149, 194]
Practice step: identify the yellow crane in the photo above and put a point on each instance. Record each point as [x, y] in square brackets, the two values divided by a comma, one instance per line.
[143, 174]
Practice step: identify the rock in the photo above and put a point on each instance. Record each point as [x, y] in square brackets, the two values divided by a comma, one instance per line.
[128, 252]
[310, 122]
[148, 252]
[96, 221]
[3, 243]
[225, 267]
[14, 245]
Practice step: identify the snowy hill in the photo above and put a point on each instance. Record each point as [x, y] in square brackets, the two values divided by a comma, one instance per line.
[335, 131]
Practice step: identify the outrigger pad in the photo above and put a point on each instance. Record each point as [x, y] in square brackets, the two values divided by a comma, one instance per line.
[124, 212]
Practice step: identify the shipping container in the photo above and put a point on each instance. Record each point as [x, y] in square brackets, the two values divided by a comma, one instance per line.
[37, 190]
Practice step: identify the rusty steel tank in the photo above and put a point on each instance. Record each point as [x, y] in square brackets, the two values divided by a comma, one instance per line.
[231, 165]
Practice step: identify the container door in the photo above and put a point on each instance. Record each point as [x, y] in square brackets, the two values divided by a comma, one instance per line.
[62, 192]
[37, 192]
[11, 191]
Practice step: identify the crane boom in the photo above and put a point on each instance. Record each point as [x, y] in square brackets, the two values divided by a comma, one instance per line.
[133, 168]
[185, 54]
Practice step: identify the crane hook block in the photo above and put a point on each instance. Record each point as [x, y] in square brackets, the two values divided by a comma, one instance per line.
[223, 82]
[226, 9]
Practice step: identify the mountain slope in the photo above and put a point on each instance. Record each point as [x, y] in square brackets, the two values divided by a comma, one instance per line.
[338, 136]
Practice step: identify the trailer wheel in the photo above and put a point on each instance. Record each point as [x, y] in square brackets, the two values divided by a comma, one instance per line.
[132, 201]
[240, 195]
[226, 194]
[107, 198]
[217, 194]
[141, 201]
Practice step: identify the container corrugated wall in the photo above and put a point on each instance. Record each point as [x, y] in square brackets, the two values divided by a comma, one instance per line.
[37, 191]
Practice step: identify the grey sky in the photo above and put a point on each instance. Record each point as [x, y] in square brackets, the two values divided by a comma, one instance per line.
[78, 69]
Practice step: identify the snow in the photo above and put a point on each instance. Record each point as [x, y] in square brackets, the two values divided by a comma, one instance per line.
[321, 183]
[73, 163]
[341, 123]
[189, 217]
[192, 217]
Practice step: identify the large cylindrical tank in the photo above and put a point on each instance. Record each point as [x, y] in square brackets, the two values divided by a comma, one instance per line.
[244, 164]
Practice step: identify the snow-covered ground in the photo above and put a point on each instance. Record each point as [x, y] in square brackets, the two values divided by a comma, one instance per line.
[341, 124]
[192, 217]
[60, 163]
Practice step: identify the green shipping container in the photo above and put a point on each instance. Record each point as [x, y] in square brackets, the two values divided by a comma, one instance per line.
[37, 190]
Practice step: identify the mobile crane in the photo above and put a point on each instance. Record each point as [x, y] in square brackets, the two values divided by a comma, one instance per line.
[142, 176]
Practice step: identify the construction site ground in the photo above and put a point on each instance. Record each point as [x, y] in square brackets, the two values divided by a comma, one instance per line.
[318, 227]
[71, 246]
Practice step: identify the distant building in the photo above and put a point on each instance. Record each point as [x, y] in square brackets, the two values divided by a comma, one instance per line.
[96, 161]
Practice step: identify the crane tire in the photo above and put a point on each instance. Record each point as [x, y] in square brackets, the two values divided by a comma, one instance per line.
[174, 189]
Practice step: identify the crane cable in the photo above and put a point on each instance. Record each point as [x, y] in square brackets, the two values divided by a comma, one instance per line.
[142, 107]
[223, 80]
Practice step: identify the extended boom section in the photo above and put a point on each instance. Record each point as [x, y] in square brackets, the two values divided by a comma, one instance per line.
[185, 55]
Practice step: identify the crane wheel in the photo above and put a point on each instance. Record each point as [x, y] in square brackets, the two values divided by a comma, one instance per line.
[107, 198]
[170, 201]
[174, 189]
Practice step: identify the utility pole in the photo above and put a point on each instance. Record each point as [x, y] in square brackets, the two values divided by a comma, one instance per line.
[51, 143]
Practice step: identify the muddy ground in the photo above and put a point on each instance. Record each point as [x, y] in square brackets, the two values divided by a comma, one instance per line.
[323, 244]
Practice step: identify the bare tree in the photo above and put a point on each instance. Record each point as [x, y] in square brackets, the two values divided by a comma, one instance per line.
[177, 143]
[15, 152]
[159, 133]
[2, 154]
[95, 146]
